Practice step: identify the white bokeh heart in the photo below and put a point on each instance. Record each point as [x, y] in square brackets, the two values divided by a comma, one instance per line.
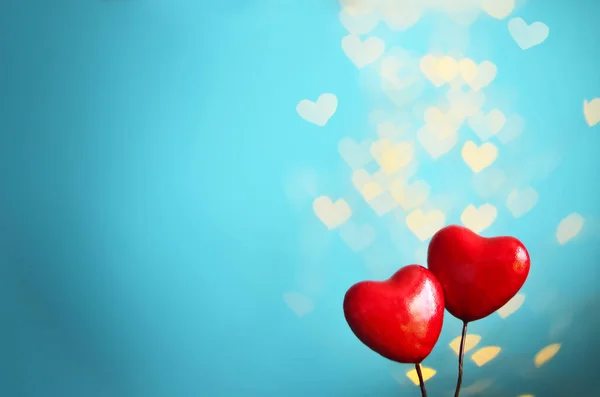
[318, 112]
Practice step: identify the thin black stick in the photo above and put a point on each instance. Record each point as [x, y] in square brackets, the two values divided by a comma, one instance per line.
[421, 382]
[461, 356]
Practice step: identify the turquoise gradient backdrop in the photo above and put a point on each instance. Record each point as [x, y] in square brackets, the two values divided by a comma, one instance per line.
[148, 233]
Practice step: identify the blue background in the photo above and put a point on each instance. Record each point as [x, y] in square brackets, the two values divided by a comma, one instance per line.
[147, 237]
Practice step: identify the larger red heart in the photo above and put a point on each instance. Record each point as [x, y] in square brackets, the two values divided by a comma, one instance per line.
[478, 275]
[400, 318]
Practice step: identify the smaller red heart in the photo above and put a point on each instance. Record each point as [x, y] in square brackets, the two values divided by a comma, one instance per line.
[400, 318]
[479, 275]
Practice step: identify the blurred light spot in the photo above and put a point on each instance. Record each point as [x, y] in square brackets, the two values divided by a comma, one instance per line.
[370, 190]
[357, 7]
[467, 103]
[479, 157]
[488, 182]
[477, 387]
[486, 125]
[399, 14]
[435, 145]
[390, 131]
[546, 354]
[383, 204]
[301, 186]
[331, 214]
[410, 196]
[569, 228]
[512, 306]
[363, 52]
[520, 202]
[527, 35]
[357, 237]
[358, 24]
[591, 111]
[298, 303]
[392, 157]
[425, 225]
[471, 340]
[478, 219]
[442, 124]
[427, 373]
[477, 76]
[485, 355]
[513, 127]
[498, 9]
[354, 154]
[318, 112]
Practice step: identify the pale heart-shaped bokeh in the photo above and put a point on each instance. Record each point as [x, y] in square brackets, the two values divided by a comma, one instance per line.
[520, 202]
[569, 228]
[363, 53]
[425, 225]
[428, 65]
[331, 214]
[513, 127]
[591, 111]
[383, 204]
[485, 355]
[487, 125]
[471, 340]
[398, 73]
[442, 124]
[372, 186]
[479, 158]
[366, 185]
[300, 304]
[392, 156]
[546, 354]
[402, 96]
[466, 103]
[390, 131]
[435, 145]
[358, 7]
[357, 238]
[447, 68]
[498, 9]
[488, 182]
[511, 306]
[359, 24]
[399, 14]
[525, 35]
[301, 186]
[318, 112]
[411, 195]
[355, 155]
[462, 12]
[478, 219]
[477, 76]
[476, 388]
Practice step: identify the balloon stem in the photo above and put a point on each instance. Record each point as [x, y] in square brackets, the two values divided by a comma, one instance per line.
[461, 356]
[421, 382]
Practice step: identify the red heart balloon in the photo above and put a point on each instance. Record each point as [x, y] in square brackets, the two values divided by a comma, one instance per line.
[400, 318]
[479, 275]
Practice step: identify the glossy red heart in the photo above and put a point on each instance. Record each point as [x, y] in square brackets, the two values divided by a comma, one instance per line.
[479, 275]
[400, 318]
